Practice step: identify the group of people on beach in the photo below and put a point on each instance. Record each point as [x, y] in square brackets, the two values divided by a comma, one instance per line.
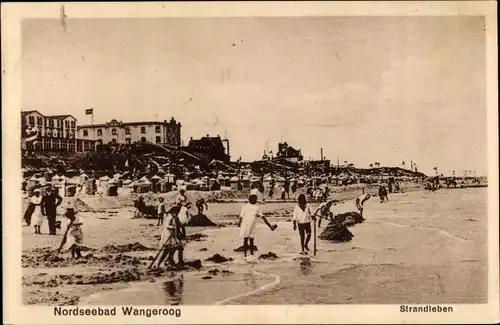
[45, 204]
[302, 218]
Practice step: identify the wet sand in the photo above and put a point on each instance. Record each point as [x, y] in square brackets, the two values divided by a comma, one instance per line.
[419, 247]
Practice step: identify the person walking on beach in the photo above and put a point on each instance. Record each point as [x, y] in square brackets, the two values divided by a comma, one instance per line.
[382, 193]
[160, 210]
[74, 237]
[302, 217]
[287, 187]
[37, 215]
[248, 222]
[140, 205]
[271, 191]
[200, 205]
[360, 201]
[50, 201]
[170, 239]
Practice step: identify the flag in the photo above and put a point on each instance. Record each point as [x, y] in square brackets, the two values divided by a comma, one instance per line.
[89, 111]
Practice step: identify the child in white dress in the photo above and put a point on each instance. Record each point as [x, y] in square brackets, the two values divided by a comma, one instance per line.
[248, 222]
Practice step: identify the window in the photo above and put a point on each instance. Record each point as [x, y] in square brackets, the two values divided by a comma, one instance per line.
[85, 133]
[46, 122]
[73, 124]
[127, 140]
[158, 139]
[127, 130]
[99, 132]
[39, 120]
[114, 132]
[66, 124]
[113, 141]
[31, 120]
[143, 129]
[157, 129]
[143, 139]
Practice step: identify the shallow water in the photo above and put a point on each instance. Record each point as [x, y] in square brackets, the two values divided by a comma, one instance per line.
[420, 247]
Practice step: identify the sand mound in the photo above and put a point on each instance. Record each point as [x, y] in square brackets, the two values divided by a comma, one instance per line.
[348, 218]
[268, 256]
[81, 206]
[336, 230]
[200, 220]
[194, 264]
[240, 249]
[336, 233]
[54, 299]
[126, 248]
[217, 258]
[98, 203]
[52, 260]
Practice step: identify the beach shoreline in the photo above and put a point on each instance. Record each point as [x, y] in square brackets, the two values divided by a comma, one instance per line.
[113, 227]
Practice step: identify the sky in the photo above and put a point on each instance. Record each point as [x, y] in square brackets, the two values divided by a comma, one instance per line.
[365, 89]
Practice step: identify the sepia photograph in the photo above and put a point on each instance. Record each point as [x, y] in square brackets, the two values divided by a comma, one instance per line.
[253, 160]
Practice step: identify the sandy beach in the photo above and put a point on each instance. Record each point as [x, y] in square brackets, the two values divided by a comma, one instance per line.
[419, 247]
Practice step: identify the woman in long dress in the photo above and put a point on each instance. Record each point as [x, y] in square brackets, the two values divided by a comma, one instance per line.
[37, 215]
[170, 240]
[248, 222]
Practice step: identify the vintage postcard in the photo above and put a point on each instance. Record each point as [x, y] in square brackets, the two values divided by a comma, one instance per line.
[293, 162]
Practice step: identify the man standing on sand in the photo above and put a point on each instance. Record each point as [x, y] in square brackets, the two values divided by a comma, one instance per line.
[360, 201]
[50, 202]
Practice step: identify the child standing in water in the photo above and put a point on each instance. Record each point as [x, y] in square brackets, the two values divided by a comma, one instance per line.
[302, 217]
[248, 221]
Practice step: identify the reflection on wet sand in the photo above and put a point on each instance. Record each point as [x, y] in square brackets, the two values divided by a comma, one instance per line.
[174, 290]
[306, 266]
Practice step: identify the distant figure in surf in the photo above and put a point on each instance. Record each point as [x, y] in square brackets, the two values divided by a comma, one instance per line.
[302, 217]
[248, 222]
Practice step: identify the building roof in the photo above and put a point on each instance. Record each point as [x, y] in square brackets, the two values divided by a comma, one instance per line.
[59, 117]
[206, 141]
[62, 117]
[123, 124]
[30, 111]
